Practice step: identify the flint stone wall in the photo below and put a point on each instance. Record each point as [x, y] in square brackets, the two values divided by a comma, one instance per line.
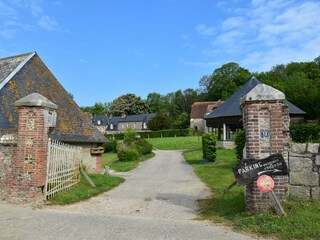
[304, 171]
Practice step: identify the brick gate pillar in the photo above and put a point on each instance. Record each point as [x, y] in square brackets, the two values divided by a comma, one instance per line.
[36, 115]
[266, 123]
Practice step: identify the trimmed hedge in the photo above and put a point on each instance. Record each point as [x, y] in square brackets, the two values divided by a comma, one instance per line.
[304, 133]
[156, 134]
[240, 142]
[209, 146]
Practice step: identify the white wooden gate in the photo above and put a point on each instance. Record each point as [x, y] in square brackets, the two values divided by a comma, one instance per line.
[63, 167]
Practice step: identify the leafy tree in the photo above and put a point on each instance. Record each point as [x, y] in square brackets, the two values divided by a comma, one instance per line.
[129, 104]
[99, 109]
[159, 122]
[224, 81]
[157, 102]
[182, 121]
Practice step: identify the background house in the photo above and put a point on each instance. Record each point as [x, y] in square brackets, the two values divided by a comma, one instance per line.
[199, 110]
[115, 124]
[26, 74]
[227, 118]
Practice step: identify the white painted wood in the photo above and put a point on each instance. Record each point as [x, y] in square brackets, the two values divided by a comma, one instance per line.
[62, 168]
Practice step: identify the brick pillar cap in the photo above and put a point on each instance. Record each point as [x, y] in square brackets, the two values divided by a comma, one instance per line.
[262, 92]
[35, 100]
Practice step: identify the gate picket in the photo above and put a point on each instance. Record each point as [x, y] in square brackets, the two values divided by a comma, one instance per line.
[63, 167]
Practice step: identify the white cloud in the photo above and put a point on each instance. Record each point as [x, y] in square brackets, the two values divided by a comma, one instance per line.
[48, 23]
[233, 22]
[201, 64]
[6, 10]
[7, 33]
[269, 32]
[204, 30]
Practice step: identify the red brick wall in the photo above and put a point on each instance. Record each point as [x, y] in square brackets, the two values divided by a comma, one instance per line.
[29, 164]
[272, 117]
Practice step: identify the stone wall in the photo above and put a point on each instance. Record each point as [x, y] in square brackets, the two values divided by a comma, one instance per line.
[304, 170]
[228, 144]
[6, 155]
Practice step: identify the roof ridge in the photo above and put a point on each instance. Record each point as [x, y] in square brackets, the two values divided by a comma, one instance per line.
[8, 78]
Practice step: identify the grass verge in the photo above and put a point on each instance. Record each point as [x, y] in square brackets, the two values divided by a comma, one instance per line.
[111, 160]
[303, 217]
[84, 190]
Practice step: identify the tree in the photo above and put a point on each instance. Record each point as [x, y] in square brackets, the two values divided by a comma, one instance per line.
[99, 109]
[157, 102]
[159, 122]
[182, 121]
[129, 104]
[224, 81]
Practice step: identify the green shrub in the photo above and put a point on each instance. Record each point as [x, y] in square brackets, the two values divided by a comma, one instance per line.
[304, 133]
[240, 142]
[127, 154]
[110, 146]
[143, 146]
[129, 136]
[209, 146]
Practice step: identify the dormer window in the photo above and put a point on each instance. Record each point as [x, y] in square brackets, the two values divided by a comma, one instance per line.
[99, 122]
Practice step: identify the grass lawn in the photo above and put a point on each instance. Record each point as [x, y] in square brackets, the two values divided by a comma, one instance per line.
[111, 160]
[176, 143]
[84, 190]
[303, 217]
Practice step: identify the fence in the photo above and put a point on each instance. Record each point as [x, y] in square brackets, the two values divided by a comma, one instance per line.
[63, 167]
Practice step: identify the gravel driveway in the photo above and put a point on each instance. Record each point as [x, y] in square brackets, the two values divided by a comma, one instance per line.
[157, 201]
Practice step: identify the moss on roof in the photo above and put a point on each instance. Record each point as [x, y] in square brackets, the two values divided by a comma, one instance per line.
[73, 125]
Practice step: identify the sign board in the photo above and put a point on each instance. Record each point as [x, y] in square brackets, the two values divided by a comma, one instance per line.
[248, 170]
[265, 183]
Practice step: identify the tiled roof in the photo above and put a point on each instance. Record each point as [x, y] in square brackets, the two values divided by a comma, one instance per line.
[231, 107]
[199, 109]
[25, 74]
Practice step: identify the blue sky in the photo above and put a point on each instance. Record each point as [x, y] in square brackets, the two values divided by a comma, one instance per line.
[101, 49]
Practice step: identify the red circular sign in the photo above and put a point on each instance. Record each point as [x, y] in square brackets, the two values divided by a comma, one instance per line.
[265, 183]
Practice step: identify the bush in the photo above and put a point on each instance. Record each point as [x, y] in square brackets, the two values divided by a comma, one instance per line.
[127, 154]
[304, 133]
[159, 121]
[143, 146]
[129, 136]
[240, 141]
[110, 146]
[209, 146]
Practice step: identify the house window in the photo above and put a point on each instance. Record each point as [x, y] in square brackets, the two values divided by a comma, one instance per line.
[145, 125]
[99, 122]
[122, 125]
[111, 126]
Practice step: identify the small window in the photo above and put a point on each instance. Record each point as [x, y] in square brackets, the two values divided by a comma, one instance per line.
[145, 125]
[111, 126]
[99, 122]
